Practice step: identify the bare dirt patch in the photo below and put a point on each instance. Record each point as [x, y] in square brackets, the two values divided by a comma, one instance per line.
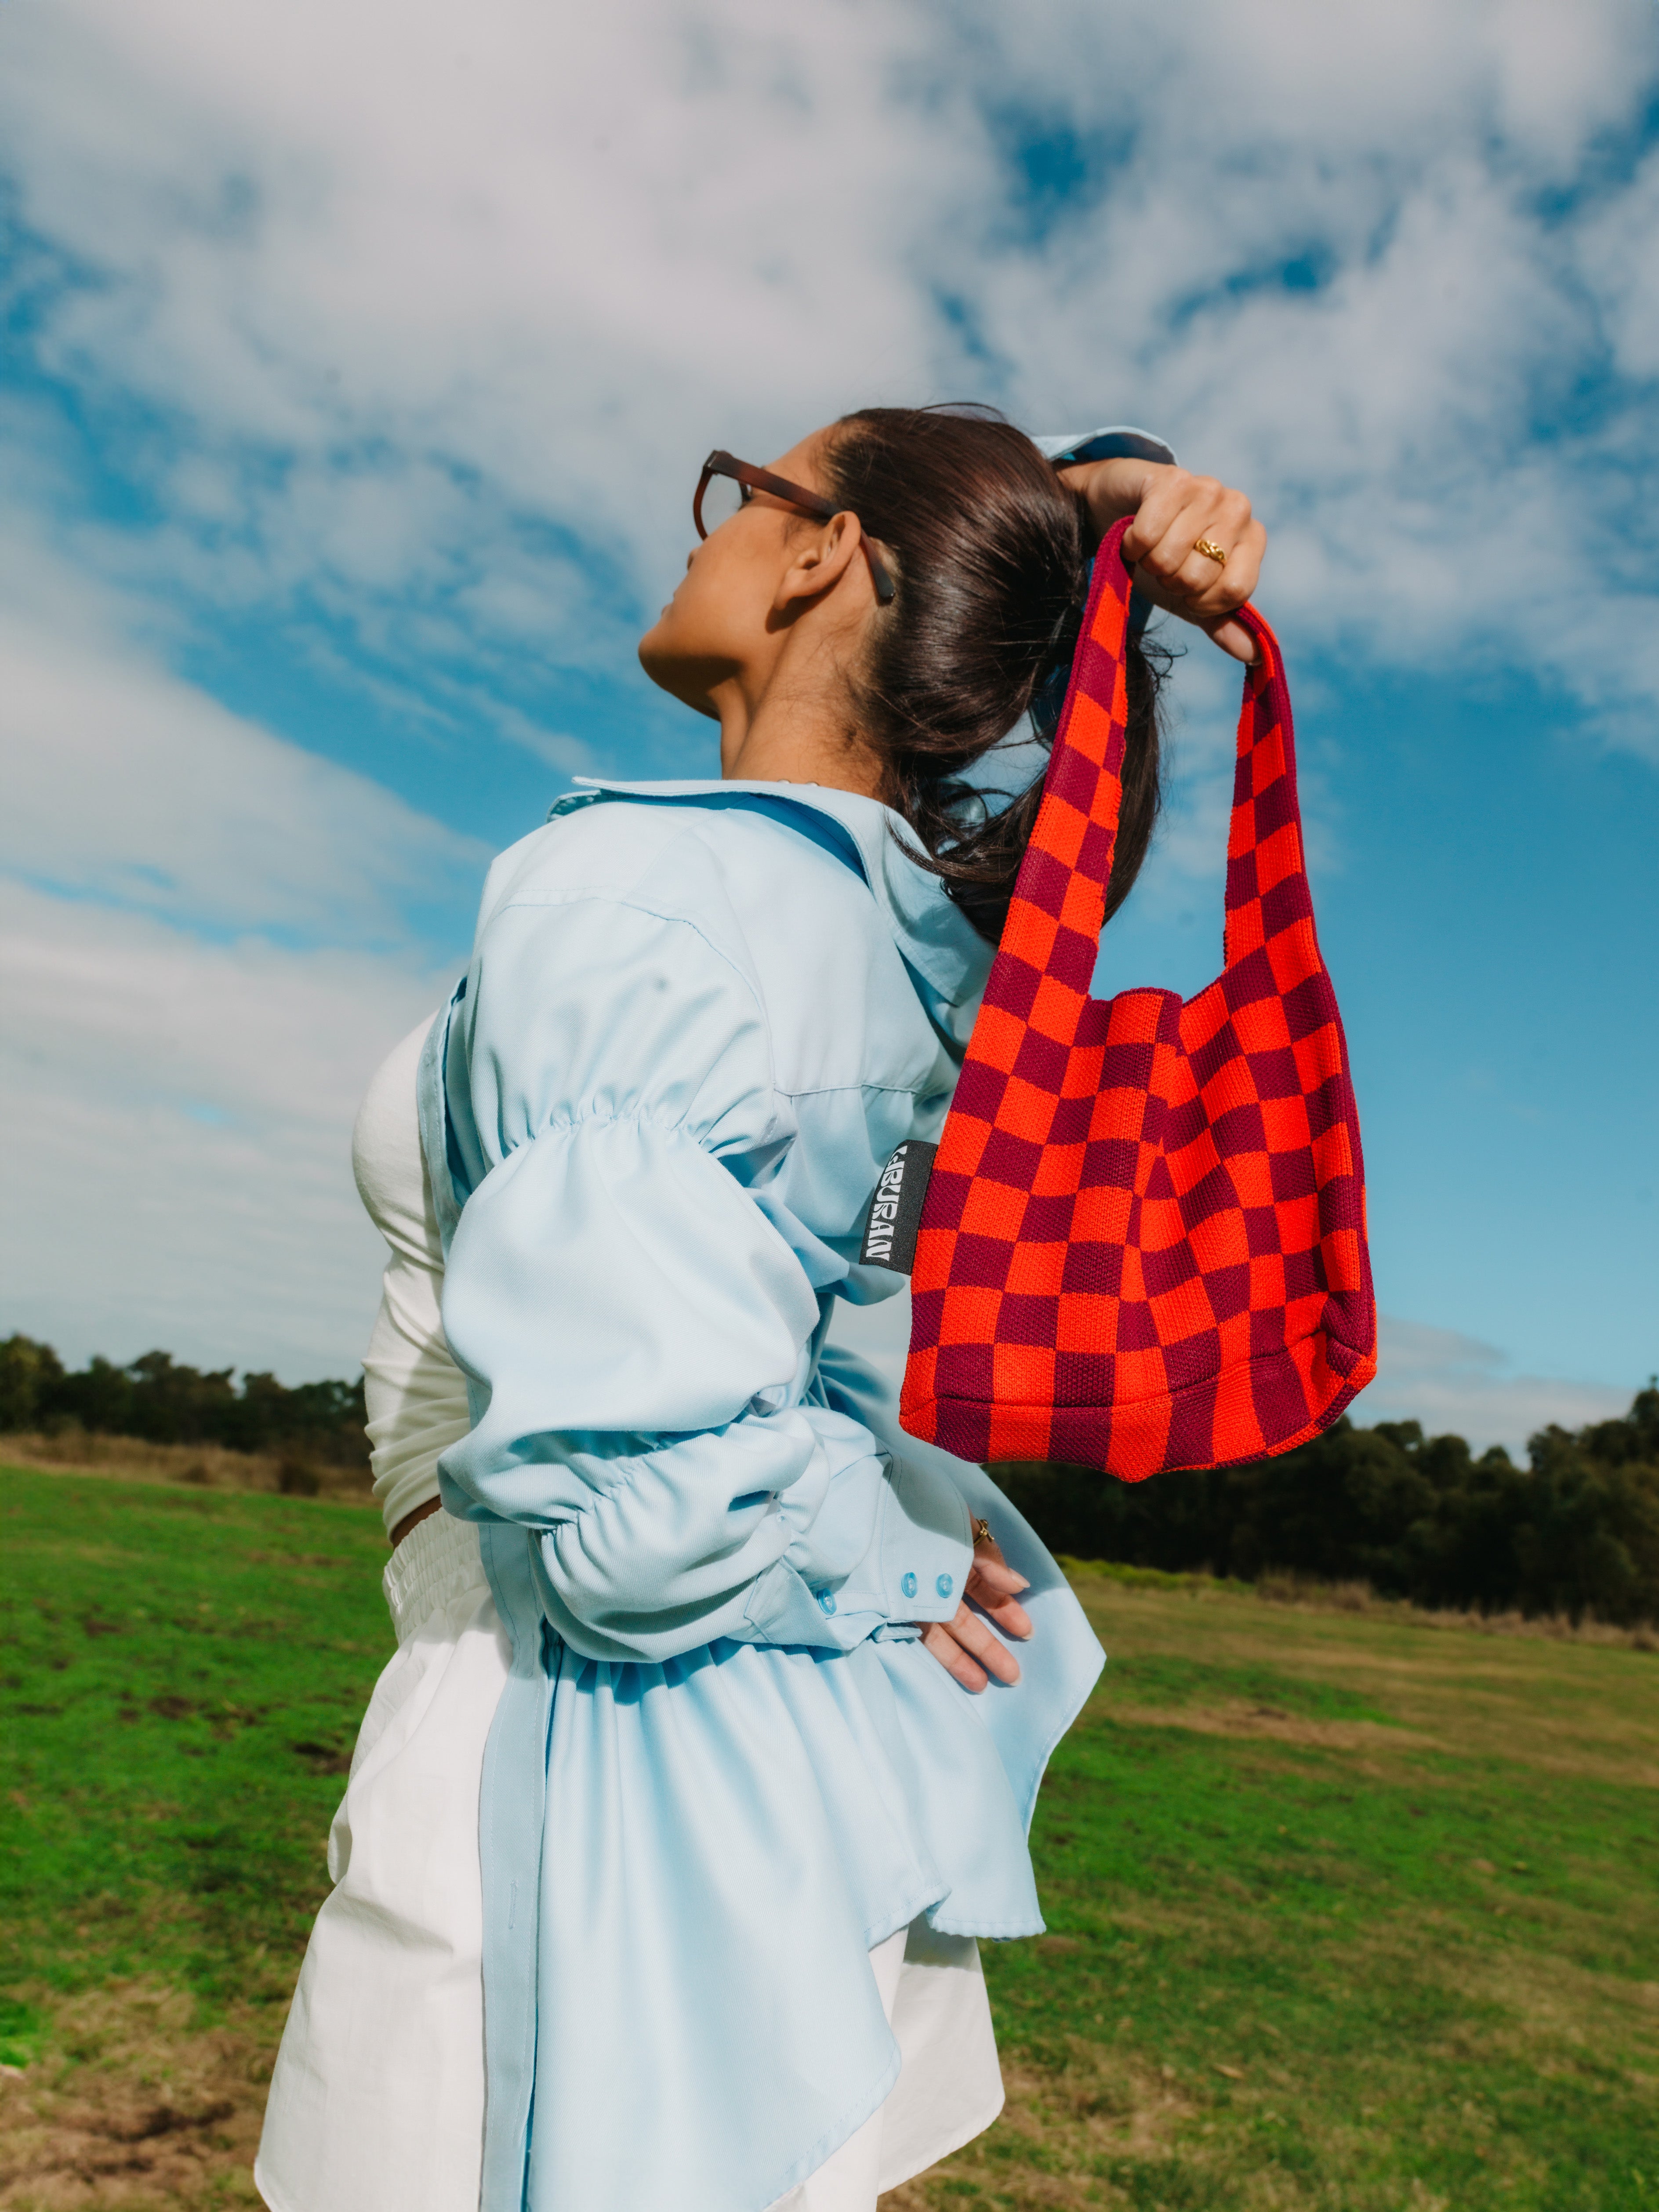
[132, 2108]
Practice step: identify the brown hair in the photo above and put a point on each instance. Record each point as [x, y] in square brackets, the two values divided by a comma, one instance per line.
[990, 552]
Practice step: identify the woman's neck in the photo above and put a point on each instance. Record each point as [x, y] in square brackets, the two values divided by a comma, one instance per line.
[793, 729]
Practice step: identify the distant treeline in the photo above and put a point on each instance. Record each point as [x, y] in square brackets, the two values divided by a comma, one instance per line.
[158, 1400]
[1575, 1531]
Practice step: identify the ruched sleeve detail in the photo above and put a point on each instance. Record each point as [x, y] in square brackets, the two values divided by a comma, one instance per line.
[639, 1331]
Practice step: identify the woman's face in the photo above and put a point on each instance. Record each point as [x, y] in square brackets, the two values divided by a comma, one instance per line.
[724, 608]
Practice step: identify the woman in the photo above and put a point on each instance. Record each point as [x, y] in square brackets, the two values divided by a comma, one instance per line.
[695, 1929]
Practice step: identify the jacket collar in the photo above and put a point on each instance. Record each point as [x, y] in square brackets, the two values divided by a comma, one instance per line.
[930, 929]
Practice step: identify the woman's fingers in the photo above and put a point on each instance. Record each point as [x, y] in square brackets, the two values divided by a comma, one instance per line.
[968, 1651]
[965, 1645]
[1165, 493]
[992, 1573]
[1218, 588]
[1178, 513]
[994, 1587]
[1172, 510]
[1205, 514]
[1176, 509]
[938, 1640]
[1226, 632]
[974, 1636]
[1002, 1605]
[1233, 638]
[1215, 587]
[1009, 1617]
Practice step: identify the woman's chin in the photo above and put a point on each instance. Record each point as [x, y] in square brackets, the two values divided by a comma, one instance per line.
[683, 678]
[658, 661]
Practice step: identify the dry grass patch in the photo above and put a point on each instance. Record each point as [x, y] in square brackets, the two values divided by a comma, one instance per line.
[1059, 2127]
[1236, 1719]
[1552, 2012]
[1582, 1705]
[202, 1466]
[1277, 1588]
[132, 2106]
[1295, 1593]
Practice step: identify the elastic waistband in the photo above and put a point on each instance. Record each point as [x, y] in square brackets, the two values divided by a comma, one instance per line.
[436, 1563]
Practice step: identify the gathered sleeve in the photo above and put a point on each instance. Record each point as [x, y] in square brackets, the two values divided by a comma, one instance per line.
[639, 1314]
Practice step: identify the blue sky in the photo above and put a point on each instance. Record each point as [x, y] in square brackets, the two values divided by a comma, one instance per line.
[349, 418]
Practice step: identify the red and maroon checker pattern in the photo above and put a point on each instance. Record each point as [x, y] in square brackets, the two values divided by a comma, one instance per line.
[1144, 1242]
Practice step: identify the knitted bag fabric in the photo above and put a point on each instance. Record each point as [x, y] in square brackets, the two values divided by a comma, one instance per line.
[1143, 1242]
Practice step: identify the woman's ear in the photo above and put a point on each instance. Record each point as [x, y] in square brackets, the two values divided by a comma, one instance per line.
[819, 558]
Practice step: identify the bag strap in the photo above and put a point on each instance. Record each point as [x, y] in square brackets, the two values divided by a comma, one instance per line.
[1059, 904]
[1266, 869]
[1060, 896]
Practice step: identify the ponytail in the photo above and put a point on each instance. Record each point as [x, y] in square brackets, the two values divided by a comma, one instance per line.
[989, 552]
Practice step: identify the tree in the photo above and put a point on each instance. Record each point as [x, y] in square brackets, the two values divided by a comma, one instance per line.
[1575, 1531]
[29, 1373]
[160, 1400]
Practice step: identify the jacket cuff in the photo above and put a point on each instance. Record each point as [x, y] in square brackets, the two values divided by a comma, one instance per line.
[1119, 441]
[927, 1543]
[915, 1569]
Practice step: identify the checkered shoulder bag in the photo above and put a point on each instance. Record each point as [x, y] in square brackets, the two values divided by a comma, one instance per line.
[1142, 1244]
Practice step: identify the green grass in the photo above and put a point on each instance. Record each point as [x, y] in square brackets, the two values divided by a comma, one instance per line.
[1345, 1911]
[182, 1677]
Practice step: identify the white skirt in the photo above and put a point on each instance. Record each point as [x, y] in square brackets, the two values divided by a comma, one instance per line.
[377, 2100]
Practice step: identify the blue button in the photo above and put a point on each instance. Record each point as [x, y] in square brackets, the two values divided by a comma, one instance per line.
[944, 1585]
[827, 1601]
[908, 1585]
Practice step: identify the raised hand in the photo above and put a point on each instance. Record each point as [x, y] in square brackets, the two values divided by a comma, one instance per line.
[1182, 524]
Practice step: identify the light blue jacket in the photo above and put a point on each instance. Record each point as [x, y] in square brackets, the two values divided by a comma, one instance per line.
[698, 1018]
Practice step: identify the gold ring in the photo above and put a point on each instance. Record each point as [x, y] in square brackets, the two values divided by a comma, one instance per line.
[1212, 551]
[982, 1533]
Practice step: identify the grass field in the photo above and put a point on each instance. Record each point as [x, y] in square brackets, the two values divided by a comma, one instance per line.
[1348, 1910]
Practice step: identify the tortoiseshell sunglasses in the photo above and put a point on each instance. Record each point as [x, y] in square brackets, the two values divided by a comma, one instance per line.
[734, 480]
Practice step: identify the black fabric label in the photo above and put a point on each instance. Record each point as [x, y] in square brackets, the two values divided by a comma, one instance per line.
[890, 1238]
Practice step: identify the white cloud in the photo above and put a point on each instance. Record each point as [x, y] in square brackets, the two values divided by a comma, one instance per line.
[178, 1116]
[1621, 257]
[204, 951]
[393, 277]
[555, 748]
[127, 785]
[1456, 1386]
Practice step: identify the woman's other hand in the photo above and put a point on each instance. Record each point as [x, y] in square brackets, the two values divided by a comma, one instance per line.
[1172, 510]
[963, 1645]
